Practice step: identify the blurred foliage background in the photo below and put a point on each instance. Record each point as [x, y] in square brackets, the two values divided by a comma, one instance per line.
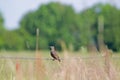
[60, 25]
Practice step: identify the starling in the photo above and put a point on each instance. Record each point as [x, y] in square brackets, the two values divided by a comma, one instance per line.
[54, 54]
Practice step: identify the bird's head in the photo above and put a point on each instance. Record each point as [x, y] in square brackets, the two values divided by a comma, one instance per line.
[52, 48]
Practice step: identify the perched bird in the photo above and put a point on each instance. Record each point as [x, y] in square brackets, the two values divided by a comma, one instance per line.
[54, 54]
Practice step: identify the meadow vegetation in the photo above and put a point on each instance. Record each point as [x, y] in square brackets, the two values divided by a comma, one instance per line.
[72, 67]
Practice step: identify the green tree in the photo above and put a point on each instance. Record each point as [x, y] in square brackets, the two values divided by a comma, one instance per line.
[9, 40]
[112, 26]
[60, 24]
[56, 22]
[1, 31]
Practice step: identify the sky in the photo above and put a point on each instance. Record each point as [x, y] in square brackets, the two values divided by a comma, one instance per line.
[13, 10]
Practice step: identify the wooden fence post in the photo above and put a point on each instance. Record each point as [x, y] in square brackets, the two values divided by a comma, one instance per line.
[39, 66]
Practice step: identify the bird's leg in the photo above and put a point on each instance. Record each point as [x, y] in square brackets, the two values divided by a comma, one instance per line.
[53, 59]
[58, 59]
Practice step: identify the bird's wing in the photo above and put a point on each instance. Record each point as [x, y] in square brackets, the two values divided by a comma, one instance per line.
[54, 55]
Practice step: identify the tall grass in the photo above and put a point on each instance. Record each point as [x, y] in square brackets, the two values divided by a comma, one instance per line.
[70, 68]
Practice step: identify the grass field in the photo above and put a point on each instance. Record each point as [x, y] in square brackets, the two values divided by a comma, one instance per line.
[78, 66]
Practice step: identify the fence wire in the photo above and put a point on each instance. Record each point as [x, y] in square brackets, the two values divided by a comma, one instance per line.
[45, 58]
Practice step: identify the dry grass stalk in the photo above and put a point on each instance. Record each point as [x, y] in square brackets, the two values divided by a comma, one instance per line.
[110, 70]
[30, 69]
[19, 72]
[40, 71]
[79, 69]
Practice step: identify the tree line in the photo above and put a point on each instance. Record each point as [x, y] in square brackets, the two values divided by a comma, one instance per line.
[60, 25]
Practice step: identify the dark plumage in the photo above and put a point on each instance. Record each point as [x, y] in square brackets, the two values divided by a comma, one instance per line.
[54, 54]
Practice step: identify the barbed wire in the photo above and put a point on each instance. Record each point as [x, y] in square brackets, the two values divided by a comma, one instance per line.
[33, 58]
